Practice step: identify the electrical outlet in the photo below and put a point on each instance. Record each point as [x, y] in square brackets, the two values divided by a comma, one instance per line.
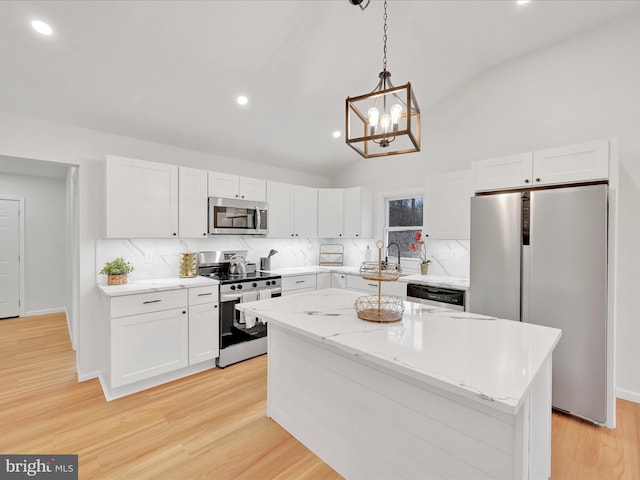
[148, 257]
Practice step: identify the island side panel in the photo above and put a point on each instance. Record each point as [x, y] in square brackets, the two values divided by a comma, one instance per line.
[365, 422]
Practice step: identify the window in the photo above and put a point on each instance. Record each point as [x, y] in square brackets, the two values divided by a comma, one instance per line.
[403, 220]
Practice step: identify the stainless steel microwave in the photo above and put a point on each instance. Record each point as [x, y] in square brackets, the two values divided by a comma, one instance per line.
[237, 217]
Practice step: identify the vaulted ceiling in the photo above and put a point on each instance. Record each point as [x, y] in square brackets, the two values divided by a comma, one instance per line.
[169, 71]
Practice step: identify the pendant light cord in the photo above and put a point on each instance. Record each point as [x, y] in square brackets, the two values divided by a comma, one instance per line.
[384, 38]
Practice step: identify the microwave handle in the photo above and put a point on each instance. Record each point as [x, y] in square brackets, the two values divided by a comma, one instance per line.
[257, 219]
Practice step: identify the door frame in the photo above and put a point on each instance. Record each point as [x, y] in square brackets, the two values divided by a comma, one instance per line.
[21, 270]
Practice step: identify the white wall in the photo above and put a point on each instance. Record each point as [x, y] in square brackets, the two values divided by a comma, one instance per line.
[45, 232]
[586, 88]
[25, 137]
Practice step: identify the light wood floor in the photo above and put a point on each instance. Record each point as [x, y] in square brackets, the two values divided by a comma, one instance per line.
[209, 426]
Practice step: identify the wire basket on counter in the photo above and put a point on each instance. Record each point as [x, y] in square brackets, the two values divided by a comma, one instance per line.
[380, 308]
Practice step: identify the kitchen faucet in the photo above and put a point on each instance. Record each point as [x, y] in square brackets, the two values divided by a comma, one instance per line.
[397, 247]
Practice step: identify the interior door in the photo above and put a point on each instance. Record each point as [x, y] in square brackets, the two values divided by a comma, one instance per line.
[9, 259]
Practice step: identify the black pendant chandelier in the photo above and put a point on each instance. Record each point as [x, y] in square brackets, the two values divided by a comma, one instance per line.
[385, 121]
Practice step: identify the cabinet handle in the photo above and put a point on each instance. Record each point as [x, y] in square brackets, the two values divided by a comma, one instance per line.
[205, 294]
[184, 312]
[537, 179]
[215, 306]
[526, 180]
[242, 196]
[372, 284]
[293, 234]
[152, 301]
[236, 196]
[300, 281]
[204, 234]
[174, 234]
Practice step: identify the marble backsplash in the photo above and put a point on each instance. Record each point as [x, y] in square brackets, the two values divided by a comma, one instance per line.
[449, 257]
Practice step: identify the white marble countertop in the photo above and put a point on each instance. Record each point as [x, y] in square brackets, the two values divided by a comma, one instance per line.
[457, 283]
[155, 285]
[490, 360]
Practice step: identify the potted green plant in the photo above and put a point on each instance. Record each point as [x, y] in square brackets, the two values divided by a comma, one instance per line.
[116, 271]
[420, 247]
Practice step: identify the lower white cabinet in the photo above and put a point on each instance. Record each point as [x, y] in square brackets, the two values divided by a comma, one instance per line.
[356, 282]
[338, 280]
[148, 344]
[299, 284]
[323, 280]
[157, 333]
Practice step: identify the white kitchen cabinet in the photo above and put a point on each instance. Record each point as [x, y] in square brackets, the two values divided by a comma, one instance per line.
[293, 210]
[204, 324]
[323, 280]
[331, 213]
[356, 282]
[358, 212]
[569, 164]
[233, 186]
[192, 202]
[338, 280]
[147, 344]
[299, 284]
[511, 171]
[447, 205]
[573, 163]
[141, 198]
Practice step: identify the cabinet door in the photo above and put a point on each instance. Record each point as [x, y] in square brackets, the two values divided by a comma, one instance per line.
[147, 345]
[358, 212]
[573, 163]
[447, 205]
[338, 280]
[141, 199]
[204, 340]
[330, 213]
[305, 213]
[192, 194]
[281, 204]
[505, 172]
[323, 280]
[253, 189]
[223, 185]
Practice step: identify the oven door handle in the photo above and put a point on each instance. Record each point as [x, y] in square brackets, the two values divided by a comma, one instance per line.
[228, 297]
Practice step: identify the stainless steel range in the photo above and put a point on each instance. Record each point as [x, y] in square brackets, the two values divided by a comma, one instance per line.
[240, 338]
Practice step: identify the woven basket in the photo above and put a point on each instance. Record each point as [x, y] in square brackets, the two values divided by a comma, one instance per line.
[117, 279]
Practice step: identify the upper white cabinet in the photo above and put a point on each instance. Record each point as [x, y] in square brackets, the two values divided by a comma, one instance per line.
[293, 210]
[192, 194]
[141, 198]
[233, 186]
[358, 212]
[331, 213]
[447, 202]
[345, 212]
[570, 164]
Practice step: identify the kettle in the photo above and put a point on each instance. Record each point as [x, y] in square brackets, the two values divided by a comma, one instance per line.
[238, 266]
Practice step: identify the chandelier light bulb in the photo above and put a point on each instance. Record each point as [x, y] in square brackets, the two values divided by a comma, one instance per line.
[396, 111]
[373, 114]
[385, 122]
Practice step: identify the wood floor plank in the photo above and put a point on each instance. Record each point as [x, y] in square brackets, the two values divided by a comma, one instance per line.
[212, 425]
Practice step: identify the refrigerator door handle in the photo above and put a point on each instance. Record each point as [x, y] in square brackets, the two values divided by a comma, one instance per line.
[525, 303]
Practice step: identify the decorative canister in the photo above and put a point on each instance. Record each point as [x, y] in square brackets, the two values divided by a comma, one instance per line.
[188, 265]
[424, 268]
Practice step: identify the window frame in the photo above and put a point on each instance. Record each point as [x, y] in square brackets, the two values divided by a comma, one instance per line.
[386, 228]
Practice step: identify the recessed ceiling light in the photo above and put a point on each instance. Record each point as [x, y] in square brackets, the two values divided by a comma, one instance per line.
[41, 27]
[523, 2]
[242, 100]
[337, 134]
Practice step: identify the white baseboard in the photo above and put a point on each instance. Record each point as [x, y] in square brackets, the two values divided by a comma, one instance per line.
[45, 311]
[628, 395]
[83, 377]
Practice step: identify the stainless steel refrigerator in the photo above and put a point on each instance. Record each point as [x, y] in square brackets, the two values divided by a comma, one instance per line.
[540, 256]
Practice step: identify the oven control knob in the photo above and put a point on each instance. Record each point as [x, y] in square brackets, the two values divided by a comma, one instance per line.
[268, 282]
[239, 287]
[232, 287]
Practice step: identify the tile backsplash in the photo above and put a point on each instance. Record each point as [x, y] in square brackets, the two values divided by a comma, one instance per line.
[449, 257]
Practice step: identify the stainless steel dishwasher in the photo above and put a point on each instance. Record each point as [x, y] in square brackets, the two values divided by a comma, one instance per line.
[436, 296]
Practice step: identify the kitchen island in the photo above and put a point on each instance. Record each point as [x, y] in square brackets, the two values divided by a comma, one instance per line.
[440, 394]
